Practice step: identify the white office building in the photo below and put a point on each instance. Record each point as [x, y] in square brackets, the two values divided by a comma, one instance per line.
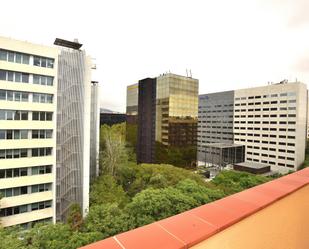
[271, 121]
[48, 120]
[28, 102]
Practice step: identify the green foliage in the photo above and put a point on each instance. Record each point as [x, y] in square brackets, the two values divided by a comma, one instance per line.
[155, 204]
[75, 217]
[9, 238]
[178, 156]
[108, 219]
[136, 178]
[112, 149]
[49, 236]
[127, 195]
[131, 141]
[230, 181]
[106, 190]
[81, 239]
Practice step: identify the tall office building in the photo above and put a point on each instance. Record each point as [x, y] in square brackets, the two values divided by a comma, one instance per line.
[73, 127]
[132, 101]
[131, 116]
[271, 122]
[167, 117]
[176, 110]
[94, 130]
[28, 102]
[146, 121]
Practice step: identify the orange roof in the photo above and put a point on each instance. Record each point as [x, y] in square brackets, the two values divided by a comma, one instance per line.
[189, 228]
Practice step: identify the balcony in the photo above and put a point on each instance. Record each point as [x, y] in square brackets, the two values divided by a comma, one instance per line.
[269, 216]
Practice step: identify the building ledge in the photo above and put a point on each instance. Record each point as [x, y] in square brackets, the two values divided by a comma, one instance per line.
[195, 226]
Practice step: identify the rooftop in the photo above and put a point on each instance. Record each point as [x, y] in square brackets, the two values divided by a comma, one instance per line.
[68, 44]
[253, 165]
[223, 145]
[272, 215]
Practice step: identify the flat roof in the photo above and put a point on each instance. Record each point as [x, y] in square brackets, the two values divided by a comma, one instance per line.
[252, 165]
[223, 145]
[68, 44]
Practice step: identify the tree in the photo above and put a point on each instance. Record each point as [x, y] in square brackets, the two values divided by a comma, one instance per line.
[184, 157]
[155, 204]
[231, 181]
[75, 217]
[106, 190]
[113, 152]
[79, 239]
[108, 219]
[200, 193]
[136, 178]
[10, 238]
[49, 236]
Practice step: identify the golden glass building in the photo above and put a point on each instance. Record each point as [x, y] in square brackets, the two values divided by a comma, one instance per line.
[176, 110]
[167, 120]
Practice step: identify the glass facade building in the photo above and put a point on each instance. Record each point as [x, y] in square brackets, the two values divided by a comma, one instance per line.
[167, 119]
[176, 110]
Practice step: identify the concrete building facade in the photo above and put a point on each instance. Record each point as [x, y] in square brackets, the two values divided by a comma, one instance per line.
[271, 121]
[73, 128]
[94, 130]
[28, 102]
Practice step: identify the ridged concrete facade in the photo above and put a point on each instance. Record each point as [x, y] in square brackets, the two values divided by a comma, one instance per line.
[73, 131]
[94, 130]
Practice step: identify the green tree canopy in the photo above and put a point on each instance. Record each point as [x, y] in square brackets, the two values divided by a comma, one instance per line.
[108, 219]
[106, 190]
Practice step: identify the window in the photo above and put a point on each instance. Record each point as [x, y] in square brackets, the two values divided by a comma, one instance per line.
[24, 97]
[35, 134]
[2, 75]
[25, 77]
[49, 133]
[2, 95]
[35, 152]
[9, 95]
[25, 59]
[17, 77]
[49, 116]
[36, 97]
[11, 57]
[23, 153]
[49, 81]
[3, 55]
[24, 115]
[49, 98]
[35, 115]
[42, 116]
[36, 79]
[43, 62]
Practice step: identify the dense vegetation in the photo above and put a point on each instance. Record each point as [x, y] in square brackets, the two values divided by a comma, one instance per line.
[126, 196]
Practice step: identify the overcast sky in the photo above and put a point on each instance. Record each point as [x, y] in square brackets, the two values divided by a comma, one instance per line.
[226, 44]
